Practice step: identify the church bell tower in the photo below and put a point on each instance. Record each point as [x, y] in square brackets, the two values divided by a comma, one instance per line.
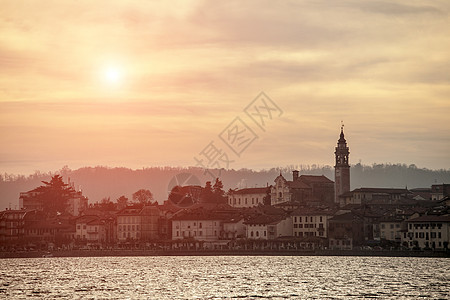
[341, 168]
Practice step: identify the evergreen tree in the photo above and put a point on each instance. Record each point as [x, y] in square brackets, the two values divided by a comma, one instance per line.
[54, 195]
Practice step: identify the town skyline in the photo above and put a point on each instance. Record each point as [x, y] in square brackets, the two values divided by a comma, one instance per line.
[125, 87]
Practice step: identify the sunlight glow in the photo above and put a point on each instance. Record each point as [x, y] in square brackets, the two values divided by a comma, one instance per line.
[113, 75]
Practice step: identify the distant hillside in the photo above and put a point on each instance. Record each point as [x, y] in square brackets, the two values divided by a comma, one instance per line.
[99, 182]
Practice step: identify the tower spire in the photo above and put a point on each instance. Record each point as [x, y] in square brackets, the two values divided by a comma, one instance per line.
[342, 167]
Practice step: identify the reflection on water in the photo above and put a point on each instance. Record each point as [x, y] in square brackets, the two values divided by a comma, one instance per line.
[242, 277]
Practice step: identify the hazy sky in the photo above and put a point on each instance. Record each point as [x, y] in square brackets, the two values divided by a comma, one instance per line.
[138, 84]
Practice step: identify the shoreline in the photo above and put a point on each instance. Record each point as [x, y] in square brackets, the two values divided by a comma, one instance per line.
[118, 253]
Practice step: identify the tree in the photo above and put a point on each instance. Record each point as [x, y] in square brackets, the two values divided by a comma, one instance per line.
[143, 196]
[207, 194]
[267, 197]
[218, 191]
[55, 194]
[176, 194]
[122, 202]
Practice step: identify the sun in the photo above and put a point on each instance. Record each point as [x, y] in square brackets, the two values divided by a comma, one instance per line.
[113, 75]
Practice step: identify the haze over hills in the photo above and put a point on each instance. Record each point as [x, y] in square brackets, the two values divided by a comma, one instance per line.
[100, 182]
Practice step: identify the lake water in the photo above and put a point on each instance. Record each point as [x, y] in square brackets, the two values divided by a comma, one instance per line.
[225, 277]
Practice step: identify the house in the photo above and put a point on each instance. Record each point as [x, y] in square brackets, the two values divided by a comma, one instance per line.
[268, 227]
[137, 224]
[427, 232]
[75, 204]
[197, 225]
[306, 189]
[234, 228]
[345, 231]
[440, 191]
[248, 197]
[365, 195]
[311, 222]
[390, 228]
[12, 224]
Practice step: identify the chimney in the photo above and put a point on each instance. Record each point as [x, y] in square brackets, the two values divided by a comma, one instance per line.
[294, 175]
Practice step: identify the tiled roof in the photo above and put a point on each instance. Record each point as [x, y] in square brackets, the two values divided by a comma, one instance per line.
[251, 191]
[381, 190]
[428, 218]
[264, 220]
[315, 179]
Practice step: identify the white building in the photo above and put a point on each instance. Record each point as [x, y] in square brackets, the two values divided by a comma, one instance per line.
[428, 232]
[234, 228]
[248, 197]
[268, 227]
[390, 229]
[200, 228]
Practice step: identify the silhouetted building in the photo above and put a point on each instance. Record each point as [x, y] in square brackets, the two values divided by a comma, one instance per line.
[304, 189]
[341, 168]
[440, 191]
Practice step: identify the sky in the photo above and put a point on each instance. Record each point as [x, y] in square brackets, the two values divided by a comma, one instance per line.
[178, 83]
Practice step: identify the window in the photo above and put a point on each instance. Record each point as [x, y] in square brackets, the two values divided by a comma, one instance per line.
[178, 233]
[392, 226]
[257, 233]
[295, 219]
[200, 225]
[200, 233]
[251, 233]
[300, 225]
[320, 219]
[265, 233]
[300, 219]
[79, 226]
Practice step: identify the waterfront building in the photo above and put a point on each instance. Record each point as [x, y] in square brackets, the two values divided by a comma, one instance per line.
[268, 227]
[12, 224]
[427, 232]
[345, 231]
[310, 222]
[203, 226]
[390, 229]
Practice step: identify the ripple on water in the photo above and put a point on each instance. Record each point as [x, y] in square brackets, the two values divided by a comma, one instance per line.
[225, 277]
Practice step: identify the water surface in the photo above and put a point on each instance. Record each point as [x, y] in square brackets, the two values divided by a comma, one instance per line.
[226, 277]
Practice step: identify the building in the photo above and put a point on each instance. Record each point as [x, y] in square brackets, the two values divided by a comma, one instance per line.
[201, 226]
[248, 197]
[341, 167]
[440, 191]
[345, 231]
[380, 195]
[265, 227]
[31, 200]
[95, 230]
[304, 189]
[427, 232]
[310, 222]
[234, 228]
[390, 229]
[12, 224]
